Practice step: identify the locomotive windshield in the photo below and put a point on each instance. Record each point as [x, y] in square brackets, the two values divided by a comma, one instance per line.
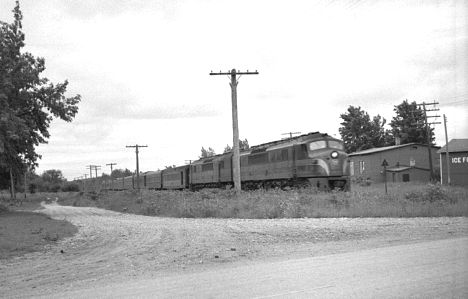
[335, 144]
[317, 145]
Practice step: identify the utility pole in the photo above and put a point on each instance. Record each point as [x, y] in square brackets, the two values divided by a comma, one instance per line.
[136, 146]
[190, 172]
[84, 182]
[428, 131]
[96, 167]
[446, 151]
[111, 164]
[112, 179]
[291, 134]
[90, 170]
[235, 128]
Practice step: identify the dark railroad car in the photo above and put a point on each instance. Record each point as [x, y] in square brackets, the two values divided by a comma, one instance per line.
[175, 178]
[151, 180]
[312, 159]
[202, 172]
[128, 183]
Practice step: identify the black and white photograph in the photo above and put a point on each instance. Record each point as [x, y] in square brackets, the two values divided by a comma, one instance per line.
[233, 149]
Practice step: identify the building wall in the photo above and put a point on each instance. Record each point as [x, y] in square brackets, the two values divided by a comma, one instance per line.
[415, 175]
[458, 168]
[414, 155]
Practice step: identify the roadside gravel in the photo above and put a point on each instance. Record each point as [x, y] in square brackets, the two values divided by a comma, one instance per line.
[112, 247]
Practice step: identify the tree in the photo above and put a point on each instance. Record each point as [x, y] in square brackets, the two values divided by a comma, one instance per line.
[29, 101]
[408, 124]
[120, 173]
[207, 153]
[53, 176]
[243, 145]
[359, 132]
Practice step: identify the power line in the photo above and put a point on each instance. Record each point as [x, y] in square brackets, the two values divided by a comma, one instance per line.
[456, 102]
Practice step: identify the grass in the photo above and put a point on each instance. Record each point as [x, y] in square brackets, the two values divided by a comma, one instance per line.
[22, 232]
[402, 200]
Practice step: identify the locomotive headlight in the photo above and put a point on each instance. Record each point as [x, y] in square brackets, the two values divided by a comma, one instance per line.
[334, 155]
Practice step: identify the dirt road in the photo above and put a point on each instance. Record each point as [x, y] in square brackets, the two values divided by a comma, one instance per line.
[112, 248]
[434, 269]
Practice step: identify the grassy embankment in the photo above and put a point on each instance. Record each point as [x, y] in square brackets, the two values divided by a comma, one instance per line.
[23, 231]
[402, 200]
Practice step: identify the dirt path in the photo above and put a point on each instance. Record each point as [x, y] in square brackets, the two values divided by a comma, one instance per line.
[112, 247]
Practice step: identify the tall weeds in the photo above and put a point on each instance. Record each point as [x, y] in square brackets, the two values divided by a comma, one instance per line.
[402, 200]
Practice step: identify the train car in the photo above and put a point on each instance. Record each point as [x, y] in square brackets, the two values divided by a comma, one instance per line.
[128, 183]
[175, 178]
[152, 180]
[312, 159]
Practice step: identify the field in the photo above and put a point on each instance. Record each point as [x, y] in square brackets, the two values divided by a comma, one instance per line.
[402, 200]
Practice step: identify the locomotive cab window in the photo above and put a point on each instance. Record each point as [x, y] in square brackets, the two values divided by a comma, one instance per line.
[317, 145]
[335, 144]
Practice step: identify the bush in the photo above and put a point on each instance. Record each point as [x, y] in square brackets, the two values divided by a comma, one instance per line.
[431, 193]
[70, 187]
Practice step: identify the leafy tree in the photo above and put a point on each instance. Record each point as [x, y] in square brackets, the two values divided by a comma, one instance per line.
[408, 124]
[359, 132]
[70, 187]
[205, 153]
[29, 101]
[53, 176]
[120, 173]
[243, 145]
[227, 149]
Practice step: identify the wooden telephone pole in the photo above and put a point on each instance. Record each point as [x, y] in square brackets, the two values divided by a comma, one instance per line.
[446, 152]
[96, 167]
[136, 146]
[235, 128]
[428, 131]
[112, 179]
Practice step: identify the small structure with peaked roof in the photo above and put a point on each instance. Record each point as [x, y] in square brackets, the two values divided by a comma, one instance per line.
[458, 162]
[406, 163]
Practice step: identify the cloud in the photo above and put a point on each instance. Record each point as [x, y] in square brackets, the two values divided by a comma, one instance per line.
[88, 9]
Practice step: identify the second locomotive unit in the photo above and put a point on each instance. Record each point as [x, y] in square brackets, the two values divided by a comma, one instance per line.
[313, 159]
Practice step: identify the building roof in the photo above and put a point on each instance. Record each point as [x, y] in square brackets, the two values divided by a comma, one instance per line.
[386, 148]
[398, 168]
[455, 145]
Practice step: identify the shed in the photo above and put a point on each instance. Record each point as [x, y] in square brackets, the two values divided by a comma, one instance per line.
[458, 162]
[406, 163]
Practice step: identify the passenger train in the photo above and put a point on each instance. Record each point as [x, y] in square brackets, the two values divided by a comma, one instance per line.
[313, 159]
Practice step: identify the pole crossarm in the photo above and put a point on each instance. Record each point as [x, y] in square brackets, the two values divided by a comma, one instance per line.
[233, 72]
[291, 134]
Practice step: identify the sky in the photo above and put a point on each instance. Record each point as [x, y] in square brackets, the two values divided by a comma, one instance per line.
[142, 69]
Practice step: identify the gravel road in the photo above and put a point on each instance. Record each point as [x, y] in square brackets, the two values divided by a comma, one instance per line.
[111, 247]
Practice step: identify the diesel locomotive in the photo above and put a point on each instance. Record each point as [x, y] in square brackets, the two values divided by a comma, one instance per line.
[313, 159]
